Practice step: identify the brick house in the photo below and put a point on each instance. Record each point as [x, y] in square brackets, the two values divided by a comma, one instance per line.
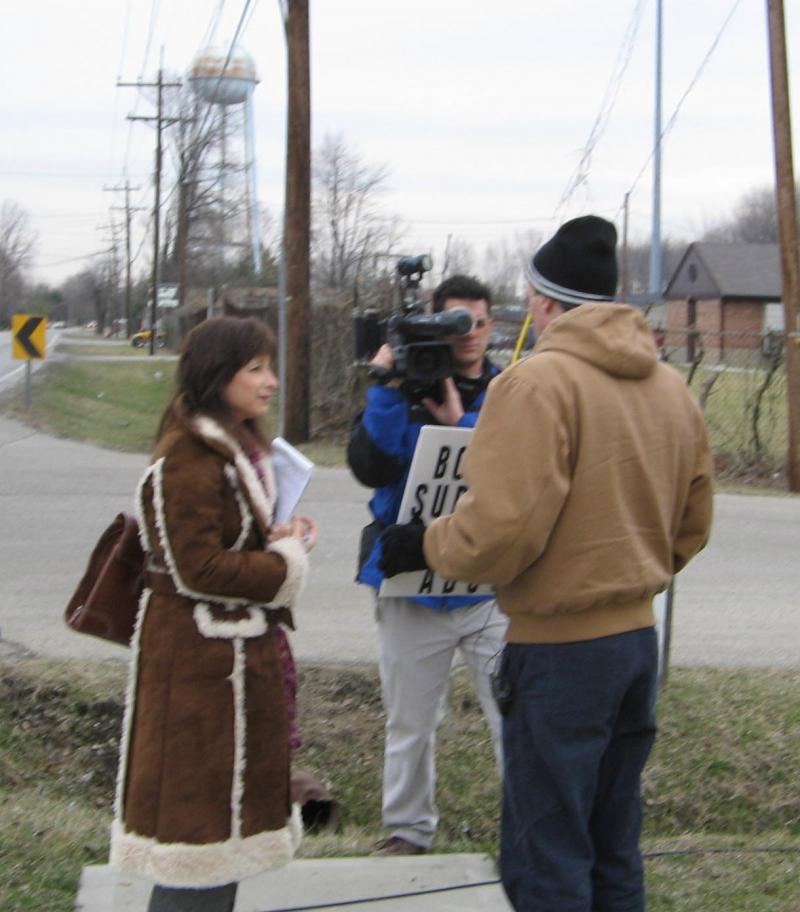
[725, 299]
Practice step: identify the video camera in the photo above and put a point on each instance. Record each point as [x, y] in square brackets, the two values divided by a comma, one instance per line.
[421, 359]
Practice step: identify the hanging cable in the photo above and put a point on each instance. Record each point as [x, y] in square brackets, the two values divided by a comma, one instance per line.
[671, 122]
[154, 8]
[231, 49]
[581, 173]
[213, 25]
[120, 70]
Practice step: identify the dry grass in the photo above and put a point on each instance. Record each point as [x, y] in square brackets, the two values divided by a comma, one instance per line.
[723, 776]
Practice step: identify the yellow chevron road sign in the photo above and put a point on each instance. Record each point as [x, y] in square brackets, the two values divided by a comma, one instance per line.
[28, 336]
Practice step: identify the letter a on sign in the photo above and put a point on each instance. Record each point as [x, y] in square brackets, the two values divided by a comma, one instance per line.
[28, 336]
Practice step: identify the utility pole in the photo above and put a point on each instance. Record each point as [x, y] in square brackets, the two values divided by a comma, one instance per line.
[787, 228]
[626, 279]
[128, 211]
[654, 283]
[110, 279]
[297, 222]
[161, 122]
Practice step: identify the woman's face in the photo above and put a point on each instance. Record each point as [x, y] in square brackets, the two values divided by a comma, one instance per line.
[251, 389]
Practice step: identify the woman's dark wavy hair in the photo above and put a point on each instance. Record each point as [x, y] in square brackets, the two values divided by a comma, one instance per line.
[211, 355]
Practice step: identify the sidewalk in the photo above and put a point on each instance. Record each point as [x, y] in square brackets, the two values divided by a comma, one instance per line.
[458, 883]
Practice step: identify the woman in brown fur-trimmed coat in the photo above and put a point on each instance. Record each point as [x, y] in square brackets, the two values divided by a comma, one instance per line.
[203, 796]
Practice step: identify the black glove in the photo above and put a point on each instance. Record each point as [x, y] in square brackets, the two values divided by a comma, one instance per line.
[401, 548]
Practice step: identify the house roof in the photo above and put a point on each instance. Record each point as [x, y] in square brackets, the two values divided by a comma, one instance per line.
[715, 270]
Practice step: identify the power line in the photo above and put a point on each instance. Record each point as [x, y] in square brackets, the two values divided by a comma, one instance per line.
[231, 49]
[211, 31]
[69, 174]
[86, 256]
[154, 9]
[581, 173]
[671, 122]
[120, 70]
[517, 221]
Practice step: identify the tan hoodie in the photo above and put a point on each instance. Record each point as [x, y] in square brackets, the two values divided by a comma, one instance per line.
[589, 482]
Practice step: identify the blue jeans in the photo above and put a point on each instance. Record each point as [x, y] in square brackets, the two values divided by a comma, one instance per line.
[578, 727]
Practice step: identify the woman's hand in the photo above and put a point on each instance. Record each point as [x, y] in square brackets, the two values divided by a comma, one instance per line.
[306, 530]
[278, 530]
[301, 527]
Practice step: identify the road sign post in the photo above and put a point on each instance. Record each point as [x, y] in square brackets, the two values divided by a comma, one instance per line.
[28, 341]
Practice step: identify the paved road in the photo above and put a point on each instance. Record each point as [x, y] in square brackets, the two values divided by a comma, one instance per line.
[736, 604]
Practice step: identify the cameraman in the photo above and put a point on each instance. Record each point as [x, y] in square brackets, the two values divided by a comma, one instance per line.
[417, 638]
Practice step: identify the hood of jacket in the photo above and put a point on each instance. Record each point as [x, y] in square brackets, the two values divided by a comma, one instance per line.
[613, 337]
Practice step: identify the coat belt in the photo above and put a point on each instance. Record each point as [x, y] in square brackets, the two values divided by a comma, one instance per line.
[161, 582]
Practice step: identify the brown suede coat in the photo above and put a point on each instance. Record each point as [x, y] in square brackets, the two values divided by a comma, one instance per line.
[590, 482]
[203, 787]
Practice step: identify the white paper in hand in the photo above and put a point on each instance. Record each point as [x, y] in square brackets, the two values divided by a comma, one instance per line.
[292, 473]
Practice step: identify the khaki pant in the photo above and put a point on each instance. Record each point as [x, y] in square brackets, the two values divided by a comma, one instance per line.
[416, 650]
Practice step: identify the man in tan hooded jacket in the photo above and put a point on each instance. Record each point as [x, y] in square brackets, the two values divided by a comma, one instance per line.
[589, 486]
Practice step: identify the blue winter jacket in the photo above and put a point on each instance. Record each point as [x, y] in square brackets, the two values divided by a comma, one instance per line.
[379, 453]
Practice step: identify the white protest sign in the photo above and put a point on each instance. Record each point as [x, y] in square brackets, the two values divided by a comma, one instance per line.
[433, 488]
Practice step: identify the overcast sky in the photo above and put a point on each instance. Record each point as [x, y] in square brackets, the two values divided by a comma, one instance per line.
[480, 111]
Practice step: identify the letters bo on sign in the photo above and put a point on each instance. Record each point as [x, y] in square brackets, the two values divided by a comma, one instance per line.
[434, 486]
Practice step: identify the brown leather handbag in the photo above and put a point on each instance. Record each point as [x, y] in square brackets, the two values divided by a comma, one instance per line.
[106, 601]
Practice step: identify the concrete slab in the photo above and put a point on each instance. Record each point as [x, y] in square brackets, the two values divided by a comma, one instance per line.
[435, 883]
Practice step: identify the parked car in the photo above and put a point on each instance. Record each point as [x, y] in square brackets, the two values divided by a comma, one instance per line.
[142, 339]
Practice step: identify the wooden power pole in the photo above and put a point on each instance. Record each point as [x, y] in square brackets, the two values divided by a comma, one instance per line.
[128, 209]
[297, 224]
[787, 228]
[160, 122]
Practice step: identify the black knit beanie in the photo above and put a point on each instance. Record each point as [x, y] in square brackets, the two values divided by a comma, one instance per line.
[578, 264]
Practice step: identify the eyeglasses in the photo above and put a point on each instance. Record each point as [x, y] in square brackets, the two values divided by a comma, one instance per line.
[479, 324]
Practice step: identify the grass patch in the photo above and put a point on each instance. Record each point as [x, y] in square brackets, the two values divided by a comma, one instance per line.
[114, 404]
[118, 405]
[723, 776]
[104, 349]
[741, 444]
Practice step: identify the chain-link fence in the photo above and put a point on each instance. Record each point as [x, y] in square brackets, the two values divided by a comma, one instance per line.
[738, 378]
[740, 381]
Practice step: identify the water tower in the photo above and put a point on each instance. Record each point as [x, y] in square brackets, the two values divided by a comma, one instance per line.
[231, 87]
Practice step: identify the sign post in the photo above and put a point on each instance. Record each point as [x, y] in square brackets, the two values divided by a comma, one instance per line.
[29, 341]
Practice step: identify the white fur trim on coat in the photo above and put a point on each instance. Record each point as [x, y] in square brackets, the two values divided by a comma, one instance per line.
[127, 719]
[292, 551]
[157, 474]
[239, 738]
[245, 516]
[143, 537]
[209, 865]
[263, 501]
[254, 625]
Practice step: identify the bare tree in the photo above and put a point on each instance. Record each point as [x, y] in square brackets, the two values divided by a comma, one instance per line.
[17, 241]
[459, 257]
[504, 266]
[349, 228]
[196, 213]
[754, 220]
[639, 262]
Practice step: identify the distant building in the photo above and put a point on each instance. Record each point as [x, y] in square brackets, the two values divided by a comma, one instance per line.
[725, 298]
